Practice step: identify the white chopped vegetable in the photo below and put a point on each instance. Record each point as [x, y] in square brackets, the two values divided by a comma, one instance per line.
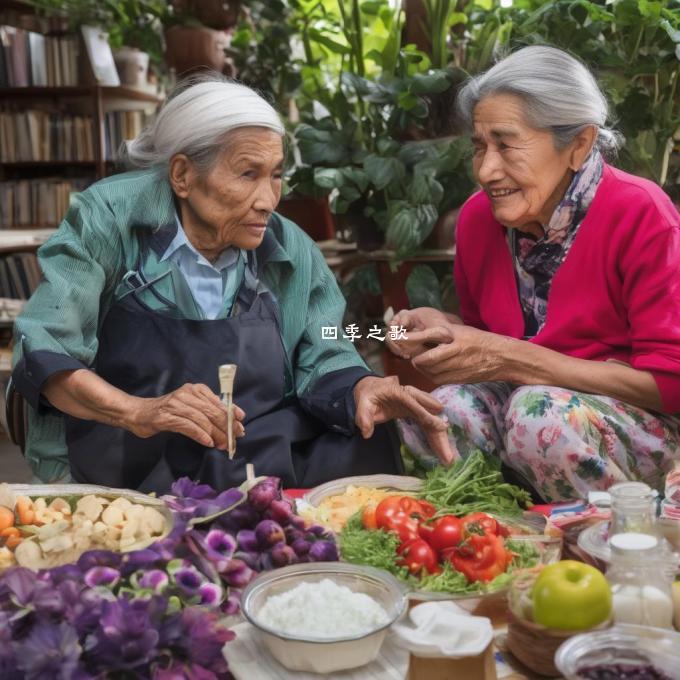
[7, 558]
[90, 506]
[113, 516]
[121, 503]
[60, 505]
[28, 554]
[154, 521]
[322, 610]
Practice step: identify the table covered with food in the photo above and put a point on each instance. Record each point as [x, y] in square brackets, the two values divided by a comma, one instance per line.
[455, 574]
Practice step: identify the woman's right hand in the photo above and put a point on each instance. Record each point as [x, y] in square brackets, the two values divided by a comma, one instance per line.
[193, 410]
[424, 327]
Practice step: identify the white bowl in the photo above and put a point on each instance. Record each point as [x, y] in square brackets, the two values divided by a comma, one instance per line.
[323, 655]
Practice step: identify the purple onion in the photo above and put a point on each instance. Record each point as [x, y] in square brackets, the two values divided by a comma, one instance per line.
[282, 555]
[297, 522]
[269, 533]
[317, 530]
[280, 510]
[300, 546]
[247, 540]
[243, 516]
[323, 551]
[238, 574]
[263, 493]
[293, 534]
[101, 576]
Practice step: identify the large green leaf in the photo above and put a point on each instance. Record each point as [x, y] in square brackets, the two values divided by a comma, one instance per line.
[422, 288]
[328, 178]
[432, 82]
[424, 188]
[383, 171]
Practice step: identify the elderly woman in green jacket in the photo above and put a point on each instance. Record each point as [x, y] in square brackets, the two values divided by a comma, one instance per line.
[158, 276]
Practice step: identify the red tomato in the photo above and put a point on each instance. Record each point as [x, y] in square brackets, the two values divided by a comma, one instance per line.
[417, 555]
[405, 526]
[479, 522]
[368, 516]
[394, 504]
[481, 557]
[447, 533]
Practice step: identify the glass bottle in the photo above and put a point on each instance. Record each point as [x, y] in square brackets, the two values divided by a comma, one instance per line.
[640, 581]
[633, 506]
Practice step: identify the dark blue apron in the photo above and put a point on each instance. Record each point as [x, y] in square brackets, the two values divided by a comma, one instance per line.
[147, 354]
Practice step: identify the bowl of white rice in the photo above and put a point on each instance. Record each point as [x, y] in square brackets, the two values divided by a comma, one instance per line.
[324, 617]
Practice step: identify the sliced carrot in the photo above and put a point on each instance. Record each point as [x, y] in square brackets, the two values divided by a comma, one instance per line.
[6, 518]
[13, 541]
[24, 509]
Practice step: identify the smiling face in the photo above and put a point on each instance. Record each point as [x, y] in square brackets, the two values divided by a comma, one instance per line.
[231, 203]
[518, 166]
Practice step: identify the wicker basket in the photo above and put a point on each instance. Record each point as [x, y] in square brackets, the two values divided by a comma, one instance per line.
[532, 644]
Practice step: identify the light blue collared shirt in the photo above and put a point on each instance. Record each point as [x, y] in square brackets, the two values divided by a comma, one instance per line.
[213, 286]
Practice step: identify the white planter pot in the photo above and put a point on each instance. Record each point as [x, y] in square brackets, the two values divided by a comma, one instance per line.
[132, 65]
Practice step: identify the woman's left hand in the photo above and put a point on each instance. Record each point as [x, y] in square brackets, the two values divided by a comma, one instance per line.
[381, 399]
[471, 356]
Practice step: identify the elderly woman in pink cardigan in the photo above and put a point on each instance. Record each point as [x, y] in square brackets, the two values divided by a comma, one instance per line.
[566, 362]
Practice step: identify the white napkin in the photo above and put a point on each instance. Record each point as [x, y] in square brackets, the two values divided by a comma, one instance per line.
[443, 629]
[249, 659]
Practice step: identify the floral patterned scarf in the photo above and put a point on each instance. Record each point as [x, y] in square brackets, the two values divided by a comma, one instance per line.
[537, 260]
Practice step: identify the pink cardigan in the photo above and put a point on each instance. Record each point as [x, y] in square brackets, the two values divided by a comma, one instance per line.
[616, 295]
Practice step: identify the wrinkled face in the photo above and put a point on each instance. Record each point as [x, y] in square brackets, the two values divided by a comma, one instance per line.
[235, 199]
[517, 166]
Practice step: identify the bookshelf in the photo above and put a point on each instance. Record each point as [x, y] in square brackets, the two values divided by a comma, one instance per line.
[59, 130]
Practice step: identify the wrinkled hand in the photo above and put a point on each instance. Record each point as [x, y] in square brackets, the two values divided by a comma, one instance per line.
[472, 356]
[381, 399]
[192, 410]
[420, 325]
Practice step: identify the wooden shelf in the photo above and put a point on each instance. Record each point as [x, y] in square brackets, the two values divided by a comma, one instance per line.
[21, 240]
[108, 92]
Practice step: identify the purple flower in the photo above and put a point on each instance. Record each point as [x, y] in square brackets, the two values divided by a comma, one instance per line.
[155, 580]
[20, 583]
[186, 488]
[232, 603]
[56, 575]
[98, 558]
[101, 576]
[49, 651]
[180, 671]
[188, 580]
[210, 593]
[219, 545]
[198, 637]
[126, 637]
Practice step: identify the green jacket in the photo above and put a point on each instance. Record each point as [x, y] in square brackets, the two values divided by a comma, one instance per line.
[84, 263]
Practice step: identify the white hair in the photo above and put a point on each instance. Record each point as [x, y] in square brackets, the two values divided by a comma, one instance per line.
[196, 120]
[558, 92]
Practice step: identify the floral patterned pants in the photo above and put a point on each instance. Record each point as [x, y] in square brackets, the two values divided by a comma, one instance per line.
[564, 443]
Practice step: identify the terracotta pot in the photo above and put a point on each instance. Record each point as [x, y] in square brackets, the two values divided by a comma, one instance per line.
[132, 65]
[218, 14]
[194, 48]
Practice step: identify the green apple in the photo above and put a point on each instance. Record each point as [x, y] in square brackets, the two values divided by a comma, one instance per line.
[572, 596]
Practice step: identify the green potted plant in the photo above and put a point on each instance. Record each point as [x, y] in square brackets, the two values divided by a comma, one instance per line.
[136, 25]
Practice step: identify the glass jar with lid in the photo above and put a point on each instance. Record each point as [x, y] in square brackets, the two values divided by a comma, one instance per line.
[633, 506]
[640, 581]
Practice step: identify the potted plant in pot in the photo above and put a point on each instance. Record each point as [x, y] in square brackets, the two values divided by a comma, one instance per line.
[134, 29]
